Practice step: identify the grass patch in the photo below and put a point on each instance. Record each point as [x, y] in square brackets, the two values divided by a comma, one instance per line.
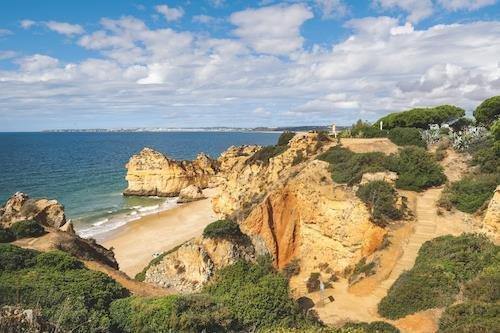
[442, 266]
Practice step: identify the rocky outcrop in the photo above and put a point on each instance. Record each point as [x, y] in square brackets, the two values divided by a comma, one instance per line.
[387, 176]
[244, 183]
[189, 267]
[315, 221]
[60, 233]
[49, 213]
[153, 173]
[491, 220]
[190, 193]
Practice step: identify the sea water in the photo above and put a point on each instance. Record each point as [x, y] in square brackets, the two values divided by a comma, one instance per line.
[86, 171]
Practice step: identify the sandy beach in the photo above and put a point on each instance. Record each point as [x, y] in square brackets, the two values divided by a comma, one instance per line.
[135, 243]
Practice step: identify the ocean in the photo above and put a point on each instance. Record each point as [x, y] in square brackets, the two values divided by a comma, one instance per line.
[86, 171]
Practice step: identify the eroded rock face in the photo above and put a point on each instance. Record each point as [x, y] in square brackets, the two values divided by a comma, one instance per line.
[243, 184]
[387, 176]
[192, 265]
[491, 221]
[190, 193]
[152, 173]
[49, 213]
[314, 220]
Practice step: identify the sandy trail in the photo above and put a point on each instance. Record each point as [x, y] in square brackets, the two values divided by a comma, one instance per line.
[135, 244]
[359, 306]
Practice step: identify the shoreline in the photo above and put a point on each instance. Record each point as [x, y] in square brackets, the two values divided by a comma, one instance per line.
[135, 243]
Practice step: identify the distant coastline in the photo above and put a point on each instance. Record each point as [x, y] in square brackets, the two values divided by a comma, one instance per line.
[192, 129]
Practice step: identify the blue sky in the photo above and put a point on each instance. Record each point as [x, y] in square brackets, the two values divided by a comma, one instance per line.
[113, 64]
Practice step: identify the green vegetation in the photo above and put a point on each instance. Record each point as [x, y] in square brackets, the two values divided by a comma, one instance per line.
[373, 327]
[421, 117]
[285, 138]
[366, 130]
[348, 167]
[416, 168]
[313, 282]
[362, 268]
[292, 268]
[28, 228]
[141, 276]
[223, 229]
[255, 294]
[6, 236]
[442, 266]
[406, 136]
[69, 295]
[487, 158]
[176, 313]
[470, 193]
[381, 198]
[266, 153]
[488, 111]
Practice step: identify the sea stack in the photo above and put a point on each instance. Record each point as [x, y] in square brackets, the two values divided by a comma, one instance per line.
[153, 173]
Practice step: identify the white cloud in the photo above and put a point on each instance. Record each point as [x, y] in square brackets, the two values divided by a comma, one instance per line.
[417, 9]
[7, 54]
[332, 8]
[206, 19]
[5, 32]
[454, 5]
[64, 28]
[274, 29]
[170, 13]
[26, 24]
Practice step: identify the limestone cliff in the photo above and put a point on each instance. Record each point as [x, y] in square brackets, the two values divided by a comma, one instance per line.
[315, 221]
[153, 173]
[244, 183]
[491, 221]
[189, 267]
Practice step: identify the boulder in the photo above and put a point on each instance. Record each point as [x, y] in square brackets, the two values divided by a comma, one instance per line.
[153, 173]
[387, 176]
[491, 220]
[190, 193]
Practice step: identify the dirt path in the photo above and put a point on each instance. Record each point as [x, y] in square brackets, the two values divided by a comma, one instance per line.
[359, 306]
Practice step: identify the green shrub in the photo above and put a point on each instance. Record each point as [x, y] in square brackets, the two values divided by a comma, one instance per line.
[28, 228]
[366, 130]
[471, 317]
[442, 265]
[223, 229]
[488, 111]
[348, 167]
[313, 282]
[265, 154]
[488, 157]
[495, 130]
[440, 154]
[6, 236]
[255, 294]
[421, 117]
[416, 168]
[292, 268]
[406, 136]
[486, 286]
[69, 295]
[175, 313]
[381, 199]
[362, 268]
[471, 192]
[373, 327]
[285, 137]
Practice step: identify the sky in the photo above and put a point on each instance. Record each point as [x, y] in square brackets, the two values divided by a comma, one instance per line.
[125, 64]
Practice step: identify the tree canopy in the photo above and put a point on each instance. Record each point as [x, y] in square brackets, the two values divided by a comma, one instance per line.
[421, 117]
[488, 111]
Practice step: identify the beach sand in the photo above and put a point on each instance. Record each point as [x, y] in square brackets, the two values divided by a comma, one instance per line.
[135, 243]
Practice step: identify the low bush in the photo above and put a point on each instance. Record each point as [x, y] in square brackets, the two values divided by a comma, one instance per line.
[71, 296]
[348, 167]
[440, 155]
[416, 168]
[381, 199]
[373, 327]
[6, 236]
[442, 266]
[285, 137]
[487, 158]
[470, 317]
[486, 286]
[366, 130]
[255, 294]
[265, 154]
[223, 229]
[406, 136]
[28, 228]
[175, 313]
[471, 192]
[313, 283]
[292, 268]
[362, 268]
